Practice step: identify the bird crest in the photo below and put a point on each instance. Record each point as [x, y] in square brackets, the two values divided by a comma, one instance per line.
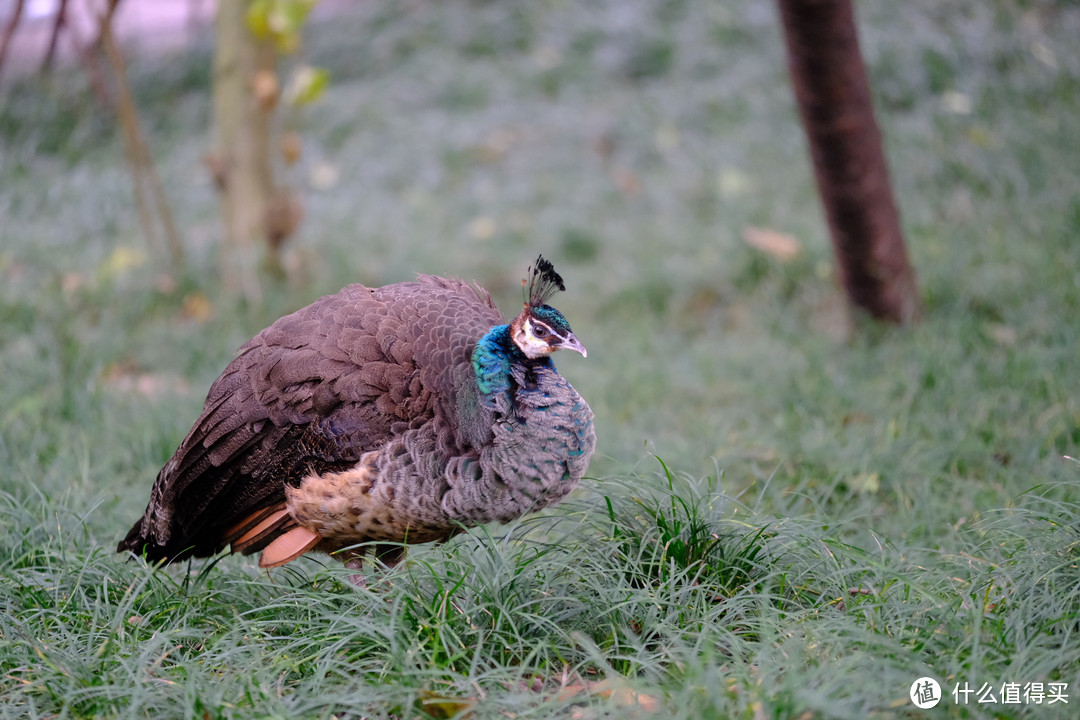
[541, 283]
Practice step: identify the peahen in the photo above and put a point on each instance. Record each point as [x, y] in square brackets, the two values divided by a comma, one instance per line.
[395, 415]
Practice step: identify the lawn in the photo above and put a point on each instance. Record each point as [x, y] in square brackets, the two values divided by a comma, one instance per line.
[789, 516]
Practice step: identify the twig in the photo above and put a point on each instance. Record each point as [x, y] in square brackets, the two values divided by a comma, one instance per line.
[89, 61]
[143, 172]
[58, 25]
[9, 30]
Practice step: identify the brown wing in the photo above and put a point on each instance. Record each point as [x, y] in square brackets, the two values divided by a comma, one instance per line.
[312, 392]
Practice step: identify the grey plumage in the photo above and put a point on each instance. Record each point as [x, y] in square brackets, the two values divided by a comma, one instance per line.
[397, 414]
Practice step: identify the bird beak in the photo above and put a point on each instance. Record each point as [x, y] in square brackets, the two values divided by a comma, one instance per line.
[572, 343]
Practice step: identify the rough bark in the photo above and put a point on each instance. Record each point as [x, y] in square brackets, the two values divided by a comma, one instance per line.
[9, 29]
[240, 161]
[833, 95]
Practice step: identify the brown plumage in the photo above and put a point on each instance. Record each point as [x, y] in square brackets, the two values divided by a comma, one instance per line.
[391, 415]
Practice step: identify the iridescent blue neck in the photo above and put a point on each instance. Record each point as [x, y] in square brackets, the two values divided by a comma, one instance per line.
[491, 360]
[494, 360]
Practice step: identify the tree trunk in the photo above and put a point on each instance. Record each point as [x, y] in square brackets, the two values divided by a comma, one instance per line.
[245, 93]
[9, 29]
[833, 95]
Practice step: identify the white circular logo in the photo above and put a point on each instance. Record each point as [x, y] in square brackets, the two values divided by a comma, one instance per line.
[925, 693]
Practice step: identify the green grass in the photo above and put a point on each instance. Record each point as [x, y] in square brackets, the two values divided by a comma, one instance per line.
[832, 515]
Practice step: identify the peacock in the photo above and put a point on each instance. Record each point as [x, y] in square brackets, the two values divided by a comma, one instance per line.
[381, 416]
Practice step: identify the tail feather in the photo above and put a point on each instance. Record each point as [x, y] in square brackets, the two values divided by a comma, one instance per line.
[262, 527]
[289, 546]
[141, 542]
[241, 527]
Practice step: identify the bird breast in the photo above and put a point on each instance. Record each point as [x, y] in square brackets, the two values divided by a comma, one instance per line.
[410, 490]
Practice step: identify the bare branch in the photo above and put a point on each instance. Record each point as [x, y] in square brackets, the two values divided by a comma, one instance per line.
[58, 25]
[9, 30]
[143, 173]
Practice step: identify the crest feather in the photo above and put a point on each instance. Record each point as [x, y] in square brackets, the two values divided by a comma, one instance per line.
[541, 283]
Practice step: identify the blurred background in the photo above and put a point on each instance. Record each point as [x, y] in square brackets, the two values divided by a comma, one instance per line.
[845, 505]
[651, 149]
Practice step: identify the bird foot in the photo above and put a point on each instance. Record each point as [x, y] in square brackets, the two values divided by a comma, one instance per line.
[356, 579]
[388, 555]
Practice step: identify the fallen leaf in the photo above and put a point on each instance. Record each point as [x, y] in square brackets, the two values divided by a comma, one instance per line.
[781, 246]
[625, 697]
[570, 691]
[442, 707]
[123, 377]
[197, 307]
[622, 695]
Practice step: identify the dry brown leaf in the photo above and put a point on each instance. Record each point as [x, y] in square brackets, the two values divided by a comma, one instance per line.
[782, 246]
[197, 307]
[442, 707]
[622, 695]
[123, 377]
[570, 691]
[625, 697]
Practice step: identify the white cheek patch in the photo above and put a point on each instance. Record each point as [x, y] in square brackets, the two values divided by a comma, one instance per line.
[537, 345]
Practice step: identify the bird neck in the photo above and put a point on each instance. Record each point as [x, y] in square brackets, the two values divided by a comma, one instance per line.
[494, 359]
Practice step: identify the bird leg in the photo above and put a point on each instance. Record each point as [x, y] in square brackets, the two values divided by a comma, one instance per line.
[356, 563]
[389, 554]
[353, 559]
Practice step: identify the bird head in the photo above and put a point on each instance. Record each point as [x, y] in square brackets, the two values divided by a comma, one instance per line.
[541, 329]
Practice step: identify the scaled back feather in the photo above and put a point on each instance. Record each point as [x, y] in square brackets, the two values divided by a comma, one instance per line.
[397, 414]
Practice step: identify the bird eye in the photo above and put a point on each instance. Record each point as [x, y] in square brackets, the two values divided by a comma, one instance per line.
[540, 331]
